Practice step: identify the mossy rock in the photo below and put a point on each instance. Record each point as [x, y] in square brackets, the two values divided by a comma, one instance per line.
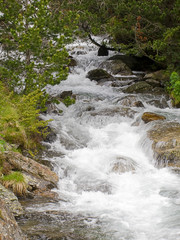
[98, 74]
[139, 87]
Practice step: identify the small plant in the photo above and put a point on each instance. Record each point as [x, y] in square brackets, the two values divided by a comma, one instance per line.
[175, 87]
[19, 122]
[2, 143]
[16, 182]
[69, 101]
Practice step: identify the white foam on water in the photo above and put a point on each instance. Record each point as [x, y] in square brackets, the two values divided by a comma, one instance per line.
[142, 203]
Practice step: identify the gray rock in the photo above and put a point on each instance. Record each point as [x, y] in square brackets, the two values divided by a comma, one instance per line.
[121, 111]
[99, 74]
[27, 165]
[11, 201]
[130, 101]
[165, 137]
[9, 229]
[139, 87]
[160, 103]
[158, 76]
[137, 63]
[123, 164]
[116, 67]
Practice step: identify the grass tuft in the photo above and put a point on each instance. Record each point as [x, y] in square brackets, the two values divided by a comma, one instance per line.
[16, 182]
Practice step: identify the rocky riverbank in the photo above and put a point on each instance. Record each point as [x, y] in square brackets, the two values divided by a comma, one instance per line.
[39, 181]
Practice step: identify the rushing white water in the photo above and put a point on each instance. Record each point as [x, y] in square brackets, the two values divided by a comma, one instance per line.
[107, 170]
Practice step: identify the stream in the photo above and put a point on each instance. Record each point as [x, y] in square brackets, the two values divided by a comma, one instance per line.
[109, 187]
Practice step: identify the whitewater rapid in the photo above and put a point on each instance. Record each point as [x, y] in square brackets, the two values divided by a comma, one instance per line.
[140, 202]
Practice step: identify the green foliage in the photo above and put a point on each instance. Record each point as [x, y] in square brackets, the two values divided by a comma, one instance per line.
[175, 87]
[69, 101]
[2, 143]
[149, 28]
[19, 122]
[14, 176]
[33, 39]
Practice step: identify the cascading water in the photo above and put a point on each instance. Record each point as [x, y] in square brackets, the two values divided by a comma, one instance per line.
[105, 165]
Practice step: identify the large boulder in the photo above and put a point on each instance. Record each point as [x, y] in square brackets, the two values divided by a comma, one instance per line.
[137, 63]
[165, 137]
[25, 164]
[139, 87]
[39, 178]
[116, 67]
[9, 229]
[98, 75]
[149, 117]
[158, 78]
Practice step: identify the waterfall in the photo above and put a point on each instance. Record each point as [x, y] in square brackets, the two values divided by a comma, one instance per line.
[105, 166]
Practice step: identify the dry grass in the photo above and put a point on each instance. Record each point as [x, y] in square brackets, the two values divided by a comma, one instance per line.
[16, 182]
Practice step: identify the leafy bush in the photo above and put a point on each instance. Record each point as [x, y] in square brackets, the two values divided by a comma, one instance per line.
[175, 87]
[19, 122]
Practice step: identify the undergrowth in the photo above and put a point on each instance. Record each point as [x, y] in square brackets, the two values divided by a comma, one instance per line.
[19, 121]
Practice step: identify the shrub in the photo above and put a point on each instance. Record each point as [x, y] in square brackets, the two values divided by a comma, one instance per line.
[175, 87]
[19, 122]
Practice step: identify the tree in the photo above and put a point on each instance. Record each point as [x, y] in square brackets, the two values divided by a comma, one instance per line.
[33, 42]
[150, 28]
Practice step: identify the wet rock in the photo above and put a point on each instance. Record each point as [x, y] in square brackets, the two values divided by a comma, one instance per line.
[27, 165]
[153, 82]
[57, 225]
[160, 103]
[64, 94]
[157, 77]
[123, 164]
[165, 138]
[9, 229]
[72, 62]
[137, 63]
[158, 91]
[51, 135]
[99, 74]
[116, 67]
[11, 201]
[149, 116]
[121, 111]
[139, 87]
[38, 187]
[130, 101]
